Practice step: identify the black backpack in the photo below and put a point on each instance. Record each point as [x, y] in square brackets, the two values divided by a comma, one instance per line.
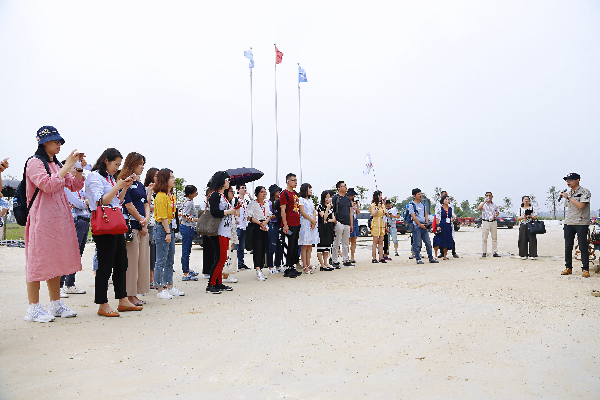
[20, 207]
[277, 207]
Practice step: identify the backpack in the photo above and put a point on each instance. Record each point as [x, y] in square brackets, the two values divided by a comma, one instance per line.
[20, 207]
[277, 207]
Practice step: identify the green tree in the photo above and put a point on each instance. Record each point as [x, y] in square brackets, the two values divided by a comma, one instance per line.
[400, 206]
[179, 189]
[506, 205]
[476, 212]
[552, 200]
[466, 208]
[362, 196]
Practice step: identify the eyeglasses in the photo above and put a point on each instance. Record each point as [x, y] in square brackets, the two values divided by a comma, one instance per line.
[293, 180]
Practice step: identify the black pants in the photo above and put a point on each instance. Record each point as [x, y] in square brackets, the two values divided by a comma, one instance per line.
[386, 244]
[260, 246]
[527, 242]
[112, 259]
[208, 256]
[582, 240]
[291, 252]
[152, 247]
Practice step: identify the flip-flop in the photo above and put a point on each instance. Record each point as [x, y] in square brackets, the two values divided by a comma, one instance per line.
[139, 303]
[595, 293]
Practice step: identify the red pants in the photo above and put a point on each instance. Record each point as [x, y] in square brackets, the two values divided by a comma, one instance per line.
[222, 245]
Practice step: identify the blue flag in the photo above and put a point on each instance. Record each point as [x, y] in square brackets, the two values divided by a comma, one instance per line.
[249, 56]
[301, 75]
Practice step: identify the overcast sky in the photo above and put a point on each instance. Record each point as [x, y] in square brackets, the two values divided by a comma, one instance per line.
[466, 95]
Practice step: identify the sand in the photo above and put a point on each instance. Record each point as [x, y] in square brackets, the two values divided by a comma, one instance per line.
[468, 328]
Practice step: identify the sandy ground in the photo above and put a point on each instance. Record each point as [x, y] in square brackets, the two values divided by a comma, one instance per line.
[468, 328]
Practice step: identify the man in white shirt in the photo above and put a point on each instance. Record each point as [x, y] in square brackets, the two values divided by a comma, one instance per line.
[392, 215]
[489, 213]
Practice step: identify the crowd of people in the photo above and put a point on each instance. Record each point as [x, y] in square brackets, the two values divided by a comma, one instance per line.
[280, 227]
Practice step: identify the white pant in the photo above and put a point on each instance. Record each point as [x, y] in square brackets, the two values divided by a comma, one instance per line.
[342, 234]
[486, 228]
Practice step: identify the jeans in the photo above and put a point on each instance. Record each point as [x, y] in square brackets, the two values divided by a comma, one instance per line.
[418, 235]
[394, 233]
[165, 258]
[187, 238]
[241, 246]
[274, 245]
[81, 228]
[582, 240]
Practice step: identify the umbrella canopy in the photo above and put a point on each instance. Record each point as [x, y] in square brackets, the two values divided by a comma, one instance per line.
[241, 176]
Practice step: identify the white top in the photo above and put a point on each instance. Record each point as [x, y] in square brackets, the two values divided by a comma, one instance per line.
[255, 210]
[242, 221]
[96, 186]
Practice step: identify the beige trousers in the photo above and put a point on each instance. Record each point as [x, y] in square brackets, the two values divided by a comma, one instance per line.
[138, 264]
[487, 228]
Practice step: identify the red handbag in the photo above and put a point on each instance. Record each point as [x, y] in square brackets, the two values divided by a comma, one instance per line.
[108, 220]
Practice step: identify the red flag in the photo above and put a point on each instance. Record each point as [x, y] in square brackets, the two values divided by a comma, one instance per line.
[278, 56]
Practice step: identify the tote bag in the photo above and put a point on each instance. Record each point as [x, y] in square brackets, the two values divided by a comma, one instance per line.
[107, 220]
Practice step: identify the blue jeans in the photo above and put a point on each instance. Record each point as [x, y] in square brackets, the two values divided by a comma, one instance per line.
[241, 246]
[274, 245]
[187, 238]
[418, 235]
[165, 258]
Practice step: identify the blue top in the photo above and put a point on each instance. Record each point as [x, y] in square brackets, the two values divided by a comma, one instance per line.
[419, 210]
[77, 201]
[135, 195]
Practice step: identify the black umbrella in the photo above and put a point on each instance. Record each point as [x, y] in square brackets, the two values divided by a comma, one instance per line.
[241, 176]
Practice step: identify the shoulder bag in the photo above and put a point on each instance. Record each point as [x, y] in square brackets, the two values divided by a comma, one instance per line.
[536, 227]
[207, 224]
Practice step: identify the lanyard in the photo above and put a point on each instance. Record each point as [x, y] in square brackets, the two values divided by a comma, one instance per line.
[228, 205]
[172, 202]
[111, 181]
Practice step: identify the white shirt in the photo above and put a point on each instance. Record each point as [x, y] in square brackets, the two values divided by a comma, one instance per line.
[242, 221]
[77, 200]
[256, 211]
[96, 186]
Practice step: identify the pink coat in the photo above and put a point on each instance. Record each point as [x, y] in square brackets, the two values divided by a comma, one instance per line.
[51, 247]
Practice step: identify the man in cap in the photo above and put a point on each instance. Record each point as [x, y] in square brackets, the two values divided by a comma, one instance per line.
[577, 220]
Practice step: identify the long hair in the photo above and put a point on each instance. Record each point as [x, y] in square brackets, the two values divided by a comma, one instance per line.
[523, 200]
[304, 190]
[110, 154]
[41, 151]
[162, 181]
[324, 196]
[150, 176]
[132, 160]
[443, 198]
[216, 182]
[376, 196]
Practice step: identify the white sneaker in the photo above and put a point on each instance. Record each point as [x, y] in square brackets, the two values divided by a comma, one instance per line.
[230, 279]
[533, 258]
[37, 313]
[523, 258]
[274, 270]
[73, 290]
[59, 309]
[63, 293]
[206, 276]
[164, 295]
[260, 276]
[175, 292]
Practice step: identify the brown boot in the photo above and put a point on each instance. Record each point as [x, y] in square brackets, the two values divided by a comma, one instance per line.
[586, 274]
[567, 271]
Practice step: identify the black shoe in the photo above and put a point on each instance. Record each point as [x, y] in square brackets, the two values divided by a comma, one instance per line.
[347, 264]
[411, 257]
[455, 255]
[382, 261]
[243, 266]
[336, 264]
[374, 261]
[434, 261]
[419, 261]
[213, 290]
[396, 255]
[325, 269]
[353, 262]
[483, 255]
[222, 287]
[496, 255]
[289, 273]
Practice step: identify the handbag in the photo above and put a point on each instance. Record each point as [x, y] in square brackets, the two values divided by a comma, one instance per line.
[108, 220]
[231, 265]
[536, 227]
[207, 224]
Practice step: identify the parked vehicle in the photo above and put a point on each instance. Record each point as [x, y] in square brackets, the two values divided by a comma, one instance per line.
[504, 220]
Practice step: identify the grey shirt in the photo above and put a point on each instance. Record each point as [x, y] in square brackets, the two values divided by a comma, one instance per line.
[189, 209]
[576, 216]
[419, 210]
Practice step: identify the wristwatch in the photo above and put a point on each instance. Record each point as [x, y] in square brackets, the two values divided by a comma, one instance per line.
[79, 169]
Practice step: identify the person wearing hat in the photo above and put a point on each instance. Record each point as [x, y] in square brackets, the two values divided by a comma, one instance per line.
[51, 247]
[576, 221]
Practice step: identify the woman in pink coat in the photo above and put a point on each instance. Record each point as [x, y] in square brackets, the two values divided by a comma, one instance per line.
[51, 248]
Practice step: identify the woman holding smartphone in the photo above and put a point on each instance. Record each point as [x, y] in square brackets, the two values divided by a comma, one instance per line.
[102, 188]
[527, 241]
[377, 211]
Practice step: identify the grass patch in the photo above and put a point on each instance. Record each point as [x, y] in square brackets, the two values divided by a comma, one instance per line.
[14, 231]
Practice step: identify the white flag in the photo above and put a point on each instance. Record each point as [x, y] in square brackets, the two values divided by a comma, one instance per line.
[369, 164]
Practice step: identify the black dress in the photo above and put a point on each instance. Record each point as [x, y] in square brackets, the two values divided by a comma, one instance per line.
[326, 230]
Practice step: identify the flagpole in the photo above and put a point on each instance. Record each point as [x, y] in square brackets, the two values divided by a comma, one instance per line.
[276, 132]
[299, 130]
[251, 128]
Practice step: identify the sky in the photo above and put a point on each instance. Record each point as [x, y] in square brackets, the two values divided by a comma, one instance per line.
[468, 96]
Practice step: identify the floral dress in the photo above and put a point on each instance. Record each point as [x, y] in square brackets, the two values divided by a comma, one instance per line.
[307, 236]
